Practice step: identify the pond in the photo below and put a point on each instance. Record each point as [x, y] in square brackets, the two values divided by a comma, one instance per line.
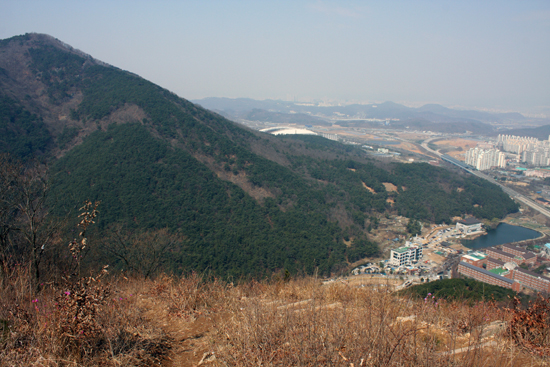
[504, 233]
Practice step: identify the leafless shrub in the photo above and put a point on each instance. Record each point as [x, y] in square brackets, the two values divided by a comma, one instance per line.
[142, 252]
[530, 328]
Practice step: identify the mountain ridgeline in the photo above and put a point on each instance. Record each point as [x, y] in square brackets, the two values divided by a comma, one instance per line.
[239, 202]
[386, 115]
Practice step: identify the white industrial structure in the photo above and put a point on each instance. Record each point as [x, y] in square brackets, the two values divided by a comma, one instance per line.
[285, 130]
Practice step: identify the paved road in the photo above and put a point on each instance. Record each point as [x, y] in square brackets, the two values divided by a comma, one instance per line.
[513, 194]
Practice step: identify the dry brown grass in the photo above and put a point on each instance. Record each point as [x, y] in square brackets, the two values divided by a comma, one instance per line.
[305, 323]
[389, 186]
[174, 321]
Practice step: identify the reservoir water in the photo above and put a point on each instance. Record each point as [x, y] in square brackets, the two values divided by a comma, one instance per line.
[504, 233]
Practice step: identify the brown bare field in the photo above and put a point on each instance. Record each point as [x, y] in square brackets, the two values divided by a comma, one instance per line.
[459, 142]
[434, 257]
[389, 186]
[457, 146]
[457, 155]
[409, 147]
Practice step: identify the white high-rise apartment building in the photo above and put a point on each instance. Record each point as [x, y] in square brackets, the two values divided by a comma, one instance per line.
[516, 144]
[485, 159]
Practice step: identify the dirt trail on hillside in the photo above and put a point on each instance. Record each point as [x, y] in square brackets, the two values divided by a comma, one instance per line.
[189, 335]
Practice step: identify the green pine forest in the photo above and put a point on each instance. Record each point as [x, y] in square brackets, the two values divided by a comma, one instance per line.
[165, 171]
[463, 289]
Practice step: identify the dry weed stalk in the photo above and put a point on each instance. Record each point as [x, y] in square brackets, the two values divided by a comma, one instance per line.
[88, 214]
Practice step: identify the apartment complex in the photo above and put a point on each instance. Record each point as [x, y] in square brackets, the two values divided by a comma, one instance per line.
[532, 150]
[484, 159]
[516, 144]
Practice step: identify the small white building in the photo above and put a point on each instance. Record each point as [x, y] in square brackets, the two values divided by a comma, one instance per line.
[469, 225]
[405, 255]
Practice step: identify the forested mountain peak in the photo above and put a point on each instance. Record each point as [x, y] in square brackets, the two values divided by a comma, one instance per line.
[234, 201]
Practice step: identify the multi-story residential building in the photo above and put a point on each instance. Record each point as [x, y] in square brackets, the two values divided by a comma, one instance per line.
[405, 255]
[516, 144]
[531, 150]
[485, 159]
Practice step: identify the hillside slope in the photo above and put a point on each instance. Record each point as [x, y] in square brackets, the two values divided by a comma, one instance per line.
[240, 202]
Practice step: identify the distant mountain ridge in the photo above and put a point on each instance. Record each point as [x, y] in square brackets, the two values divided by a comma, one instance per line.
[427, 116]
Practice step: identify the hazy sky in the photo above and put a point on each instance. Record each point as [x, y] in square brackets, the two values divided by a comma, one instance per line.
[475, 54]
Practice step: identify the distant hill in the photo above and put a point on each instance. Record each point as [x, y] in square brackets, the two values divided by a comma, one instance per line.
[285, 118]
[431, 117]
[243, 203]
